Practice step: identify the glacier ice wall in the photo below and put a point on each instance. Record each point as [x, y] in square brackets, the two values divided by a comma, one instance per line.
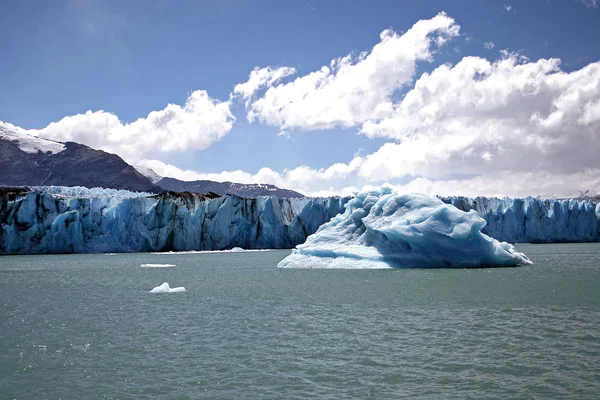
[42, 222]
[533, 220]
[81, 191]
[382, 229]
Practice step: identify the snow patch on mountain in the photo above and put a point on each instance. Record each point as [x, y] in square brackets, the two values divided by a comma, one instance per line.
[26, 142]
[148, 173]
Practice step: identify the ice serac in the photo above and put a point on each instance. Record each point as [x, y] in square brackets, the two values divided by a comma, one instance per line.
[382, 229]
[79, 220]
[534, 220]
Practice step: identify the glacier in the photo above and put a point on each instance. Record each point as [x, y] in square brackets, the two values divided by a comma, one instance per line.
[67, 220]
[383, 229]
[54, 219]
[534, 220]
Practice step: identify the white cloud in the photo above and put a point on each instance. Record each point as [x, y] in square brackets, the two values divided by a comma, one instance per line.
[590, 3]
[260, 78]
[489, 45]
[512, 126]
[508, 7]
[352, 89]
[481, 117]
[506, 127]
[343, 179]
[196, 125]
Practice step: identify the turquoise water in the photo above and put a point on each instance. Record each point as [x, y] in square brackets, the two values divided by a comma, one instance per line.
[85, 326]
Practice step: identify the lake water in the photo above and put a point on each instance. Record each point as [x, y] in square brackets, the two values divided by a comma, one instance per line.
[85, 326]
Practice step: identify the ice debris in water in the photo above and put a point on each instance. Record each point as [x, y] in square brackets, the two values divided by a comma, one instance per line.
[157, 265]
[165, 288]
[383, 229]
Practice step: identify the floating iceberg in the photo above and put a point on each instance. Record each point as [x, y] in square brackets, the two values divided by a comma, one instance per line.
[381, 229]
[157, 265]
[165, 288]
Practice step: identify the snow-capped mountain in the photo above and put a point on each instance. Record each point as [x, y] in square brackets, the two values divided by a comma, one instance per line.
[27, 160]
[148, 173]
[248, 190]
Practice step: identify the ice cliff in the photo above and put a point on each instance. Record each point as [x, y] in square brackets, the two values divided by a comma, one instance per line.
[50, 219]
[382, 229]
[533, 220]
[55, 220]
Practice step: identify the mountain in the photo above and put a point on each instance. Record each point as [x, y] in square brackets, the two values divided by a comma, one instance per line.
[27, 160]
[148, 173]
[250, 190]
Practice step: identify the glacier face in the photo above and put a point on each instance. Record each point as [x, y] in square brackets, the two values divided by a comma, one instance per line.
[50, 222]
[533, 220]
[55, 219]
[382, 229]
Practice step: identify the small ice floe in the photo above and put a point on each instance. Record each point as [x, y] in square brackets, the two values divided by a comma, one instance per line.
[165, 288]
[157, 265]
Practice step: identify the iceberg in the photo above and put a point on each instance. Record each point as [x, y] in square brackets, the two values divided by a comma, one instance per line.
[383, 229]
[157, 265]
[165, 288]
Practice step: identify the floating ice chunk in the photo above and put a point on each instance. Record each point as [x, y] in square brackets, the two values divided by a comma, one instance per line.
[382, 229]
[165, 288]
[157, 265]
[236, 249]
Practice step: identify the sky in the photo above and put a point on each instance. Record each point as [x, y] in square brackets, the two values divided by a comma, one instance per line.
[497, 98]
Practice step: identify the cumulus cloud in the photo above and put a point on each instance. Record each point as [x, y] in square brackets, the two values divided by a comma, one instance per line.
[195, 125]
[510, 126]
[352, 89]
[344, 179]
[260, 78]
[478, 117]
[489, 45]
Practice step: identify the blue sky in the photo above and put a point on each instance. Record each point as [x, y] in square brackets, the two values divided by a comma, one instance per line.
[128, 58]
